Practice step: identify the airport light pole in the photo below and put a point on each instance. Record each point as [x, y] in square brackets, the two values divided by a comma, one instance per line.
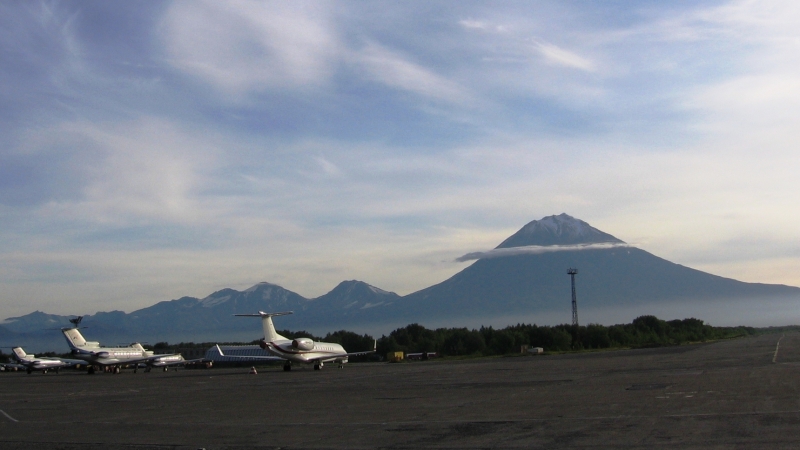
[572, 272]
[575, 330]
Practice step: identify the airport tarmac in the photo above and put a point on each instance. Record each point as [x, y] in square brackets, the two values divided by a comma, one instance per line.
[741, 393]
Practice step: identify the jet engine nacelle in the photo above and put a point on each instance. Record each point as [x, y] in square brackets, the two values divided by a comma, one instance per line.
[101, 355]
[303, 344]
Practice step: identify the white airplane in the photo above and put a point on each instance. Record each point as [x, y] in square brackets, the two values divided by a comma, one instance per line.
[116, 357]
[301, 350]
[31, 362]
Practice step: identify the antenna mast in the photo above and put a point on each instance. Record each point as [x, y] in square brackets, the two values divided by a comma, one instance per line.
[572, 272]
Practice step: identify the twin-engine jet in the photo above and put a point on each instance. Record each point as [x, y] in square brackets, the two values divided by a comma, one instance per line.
[301, 350]
[31, 362]
[116, 357]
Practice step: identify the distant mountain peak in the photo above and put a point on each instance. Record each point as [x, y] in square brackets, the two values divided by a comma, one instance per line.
[261, 285]
[354, 294]
[562, 229]
[351, 286]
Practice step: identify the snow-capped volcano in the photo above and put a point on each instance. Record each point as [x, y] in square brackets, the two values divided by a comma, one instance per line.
[562, 229]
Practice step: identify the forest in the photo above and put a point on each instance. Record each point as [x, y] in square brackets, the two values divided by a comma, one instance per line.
[644, 331]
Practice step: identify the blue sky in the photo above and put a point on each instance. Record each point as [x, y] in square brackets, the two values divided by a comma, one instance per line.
[162, 149]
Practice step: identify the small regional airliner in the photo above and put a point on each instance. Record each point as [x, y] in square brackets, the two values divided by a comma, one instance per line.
[301, 350]
[31, 362]
[116, 357]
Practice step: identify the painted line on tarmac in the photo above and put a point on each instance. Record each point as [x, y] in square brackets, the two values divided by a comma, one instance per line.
[777, 346]
[9, 417]
[430, 422]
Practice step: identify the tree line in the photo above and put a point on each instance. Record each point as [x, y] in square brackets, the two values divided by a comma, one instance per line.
[644, 331]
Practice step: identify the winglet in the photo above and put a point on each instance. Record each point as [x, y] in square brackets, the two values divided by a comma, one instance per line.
[220, 351]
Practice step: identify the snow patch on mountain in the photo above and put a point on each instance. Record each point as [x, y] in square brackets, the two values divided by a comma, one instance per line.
[372, 305]
[256, 287]
[560, 230]
[211, 301]
[378, 291]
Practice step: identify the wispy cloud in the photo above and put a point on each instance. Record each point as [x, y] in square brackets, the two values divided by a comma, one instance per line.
[396, 71]
[535, 250]
[561, 57]
[125, 173]
[471, 24]
[242, 46]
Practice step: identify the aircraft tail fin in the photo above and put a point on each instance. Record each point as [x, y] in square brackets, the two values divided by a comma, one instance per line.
[137, 346]
[266, 321]
[19, 353]
[74, 337]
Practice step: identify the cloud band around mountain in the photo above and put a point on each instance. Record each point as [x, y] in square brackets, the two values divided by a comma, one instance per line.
[537, 249]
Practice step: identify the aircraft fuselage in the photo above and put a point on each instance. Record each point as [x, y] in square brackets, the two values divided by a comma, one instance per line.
[321, 351]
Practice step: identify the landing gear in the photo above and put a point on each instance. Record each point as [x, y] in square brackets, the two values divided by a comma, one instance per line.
[166, 369]
[287, 367]
[318, 366]
[116, 370]
[56, 369]
[29, 371]
[90, 370]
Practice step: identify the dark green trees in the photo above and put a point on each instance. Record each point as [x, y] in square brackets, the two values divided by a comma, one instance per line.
[642, 332]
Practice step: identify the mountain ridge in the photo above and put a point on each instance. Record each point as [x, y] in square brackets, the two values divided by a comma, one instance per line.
[511, 285]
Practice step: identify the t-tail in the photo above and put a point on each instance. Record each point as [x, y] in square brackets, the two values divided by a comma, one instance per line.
[19, 353]
[270, 334]
[76, 340]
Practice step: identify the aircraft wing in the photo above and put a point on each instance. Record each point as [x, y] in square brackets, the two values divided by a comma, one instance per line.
[262, 358]
[146, 359]
[176, 362]
[69, 362]
[345, 355]
[374, 349]
[328, 358]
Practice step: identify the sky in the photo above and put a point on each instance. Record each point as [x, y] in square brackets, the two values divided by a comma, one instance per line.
[157, 150]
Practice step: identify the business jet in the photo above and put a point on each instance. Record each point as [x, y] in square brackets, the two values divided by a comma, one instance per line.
[116, 357]
[31, 362]
[300, 350]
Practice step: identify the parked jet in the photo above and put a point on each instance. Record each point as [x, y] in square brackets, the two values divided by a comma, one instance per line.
[301, 350]
[31, 362]
[116, 357]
